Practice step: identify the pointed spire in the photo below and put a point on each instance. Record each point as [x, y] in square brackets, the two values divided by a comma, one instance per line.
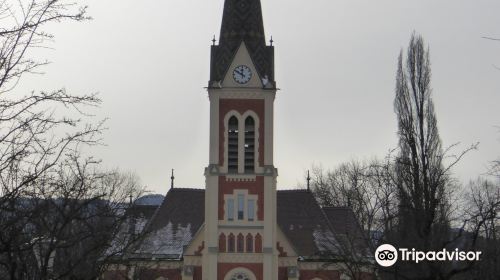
[172, 180]
[242, 22]
[308, 180]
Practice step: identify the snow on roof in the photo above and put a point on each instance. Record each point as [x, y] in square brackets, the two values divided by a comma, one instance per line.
[309, 229]
[169, 240]
[325, 240]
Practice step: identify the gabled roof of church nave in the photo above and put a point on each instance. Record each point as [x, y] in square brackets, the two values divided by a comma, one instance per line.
[307, 226]
[173, 225]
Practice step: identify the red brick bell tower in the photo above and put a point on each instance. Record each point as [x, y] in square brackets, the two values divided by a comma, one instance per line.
[240, 198]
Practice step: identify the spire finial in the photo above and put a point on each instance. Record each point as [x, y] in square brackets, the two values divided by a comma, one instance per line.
[271, 41]
[213, 41]
[172, 179]
[308, 179]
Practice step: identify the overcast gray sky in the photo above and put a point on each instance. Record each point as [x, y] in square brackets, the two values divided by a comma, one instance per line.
[335, 66]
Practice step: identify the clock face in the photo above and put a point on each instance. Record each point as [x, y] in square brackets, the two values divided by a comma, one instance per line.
[242, 74]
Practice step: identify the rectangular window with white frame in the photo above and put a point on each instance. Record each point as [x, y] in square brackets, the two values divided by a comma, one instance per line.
[230, 209]
[251, 210]
[241, 206]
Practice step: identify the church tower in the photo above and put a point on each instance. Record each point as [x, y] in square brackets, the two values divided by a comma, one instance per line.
[240, 227]
[240, 196]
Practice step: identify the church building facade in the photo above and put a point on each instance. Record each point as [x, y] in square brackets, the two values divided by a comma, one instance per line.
[240, 227]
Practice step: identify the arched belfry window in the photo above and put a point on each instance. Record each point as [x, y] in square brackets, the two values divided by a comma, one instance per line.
[249, 144]
[232, 145]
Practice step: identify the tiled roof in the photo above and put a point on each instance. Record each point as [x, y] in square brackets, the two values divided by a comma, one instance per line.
[310, 229]
[242, 21]
[174, 224]
[137, 216]
[304, 223]
[181, 207]
[346, 225]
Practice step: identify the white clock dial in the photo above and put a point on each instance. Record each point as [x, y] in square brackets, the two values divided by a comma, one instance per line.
[242, 74]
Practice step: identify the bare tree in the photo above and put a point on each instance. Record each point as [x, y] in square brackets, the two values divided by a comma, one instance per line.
[421, 176]
[480, 231]
[411, 199]
[23, 30]
[481, 224]
[366, 188]
[65, 228]
[29, 144]
[495, 168]
[422, 166]
[58, 209]
[350, 253]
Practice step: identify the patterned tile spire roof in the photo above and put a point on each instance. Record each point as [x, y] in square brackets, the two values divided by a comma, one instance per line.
[242, 22]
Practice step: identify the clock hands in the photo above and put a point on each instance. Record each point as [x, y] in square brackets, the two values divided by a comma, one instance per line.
[242, 74]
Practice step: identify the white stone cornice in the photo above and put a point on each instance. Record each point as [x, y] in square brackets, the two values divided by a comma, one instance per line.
[241, 93]
[240, 258]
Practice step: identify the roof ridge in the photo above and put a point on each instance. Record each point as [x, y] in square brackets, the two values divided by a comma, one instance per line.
[186, 189]
[294, 190]
[337, 207]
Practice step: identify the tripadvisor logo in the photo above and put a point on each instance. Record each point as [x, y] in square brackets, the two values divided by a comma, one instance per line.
[386, 255]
